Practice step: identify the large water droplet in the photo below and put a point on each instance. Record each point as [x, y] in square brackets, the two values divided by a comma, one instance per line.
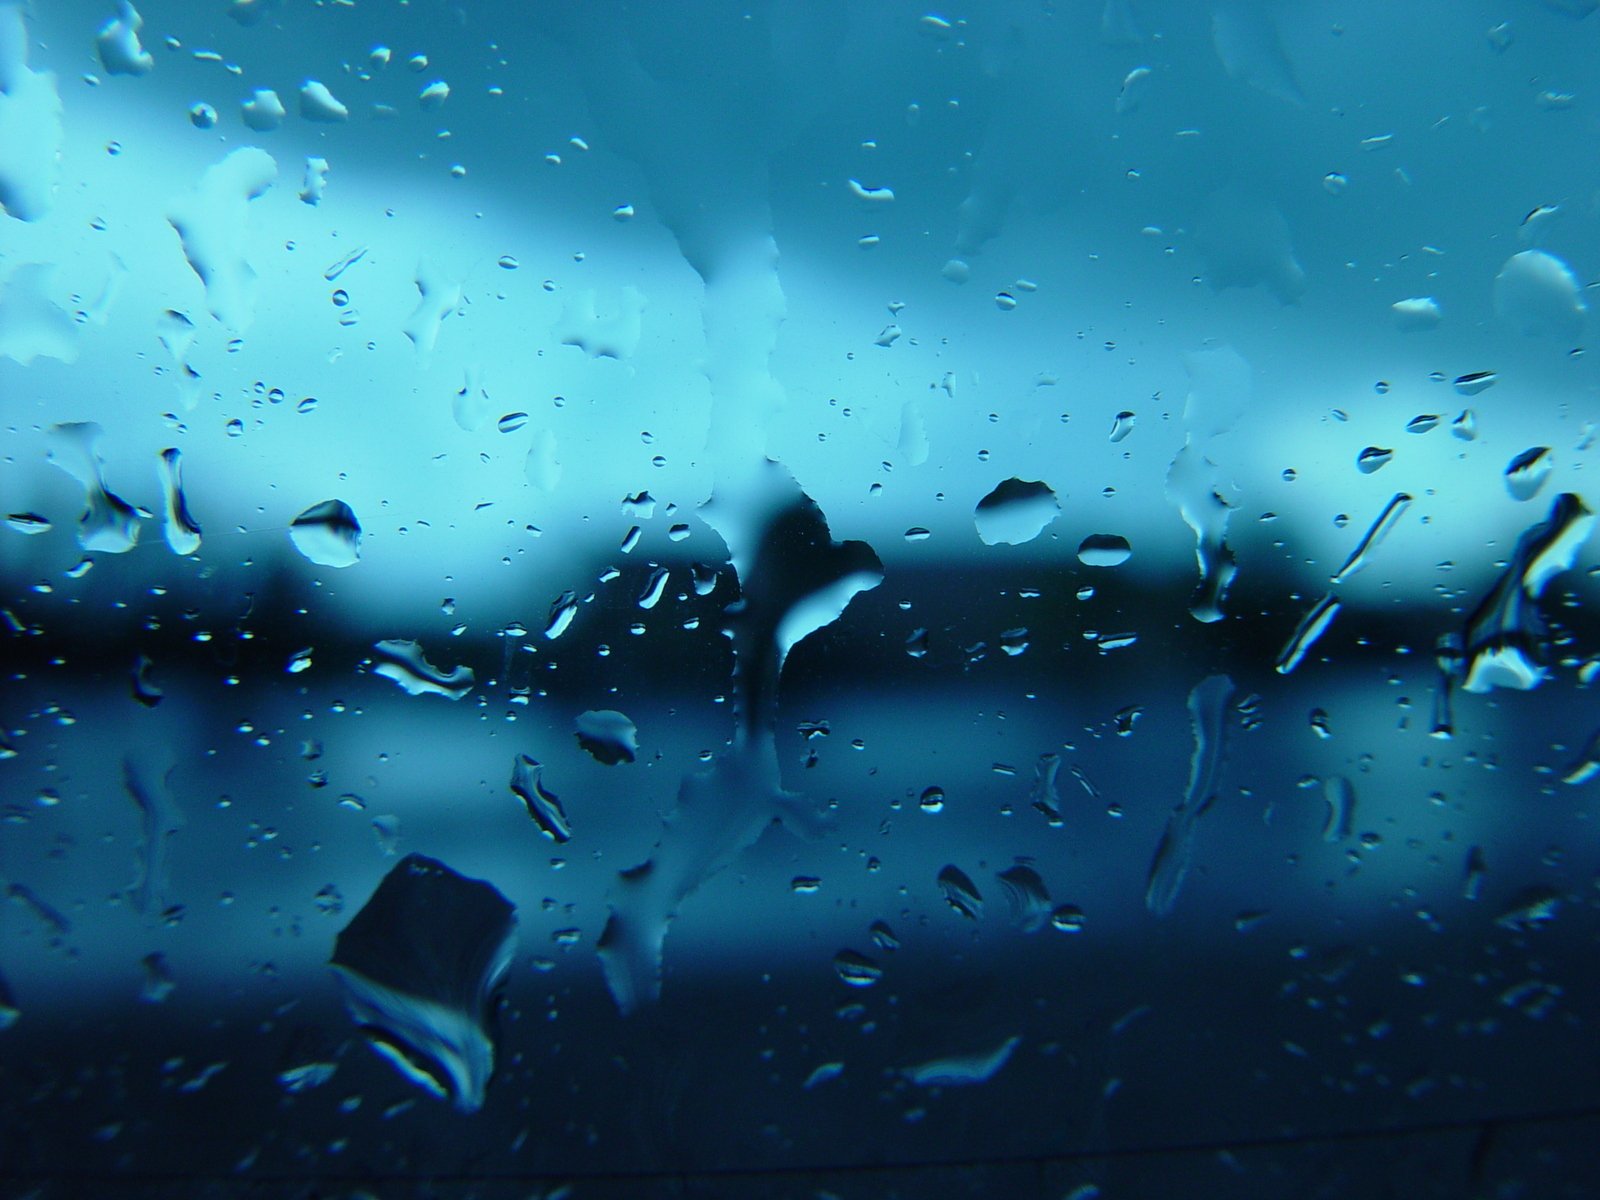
[1527, 472]
[1504, 634]
[608, 736]
[109, 523]
[328, 534]
[1104, 550]
[1016, 511]
[1538, 294]
[1027, 895]
[421, 964]
[182, 531]
[403, 662]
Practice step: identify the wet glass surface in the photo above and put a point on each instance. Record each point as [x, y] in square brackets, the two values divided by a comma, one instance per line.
[803, 599]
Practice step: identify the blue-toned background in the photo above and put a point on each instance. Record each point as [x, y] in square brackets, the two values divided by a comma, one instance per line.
[563, 254]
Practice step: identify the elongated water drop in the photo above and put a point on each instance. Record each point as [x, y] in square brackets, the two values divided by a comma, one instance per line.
[542, 804]
[1312, 626]
[1373, 538]
[182, 531]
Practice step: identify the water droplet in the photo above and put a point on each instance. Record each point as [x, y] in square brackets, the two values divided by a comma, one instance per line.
[1530, 909]
[1005, 301]
[542, 804]
[1027, 895]
[805, 885]
[650, 594]
[512, 422]
[1423, 422]
[1474, 382]
[1319, 723]
[1373, 458]
[1014, 641]
[932, 800]
[1416, 314]
[1472, 874]
[158, 981]
[1334, 183]
[1505, 629]
[1312, 626]
[263, 111]
[917, 643]
[1104, 550]
[1015, 512]
[705, 578]
[1068, 918]
[1465, 426]
[28, 524]
[145, 689]
[856, 969]
[962, 1070]
[1169, 866]
[1525, 475]
[960, 893]
[109, 524]
[562, 609]
[421, 965]
[608, 736]
[918, 534]
[1122, 425]
[318, 104]
[404, 664]
[823, 1074]
[328, 534]
[182, 532]
[202, 116]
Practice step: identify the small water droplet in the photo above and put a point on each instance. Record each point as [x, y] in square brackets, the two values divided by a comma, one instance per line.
[856, 969]
[1068, 918]
[1104, 550]
[1373, 458]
